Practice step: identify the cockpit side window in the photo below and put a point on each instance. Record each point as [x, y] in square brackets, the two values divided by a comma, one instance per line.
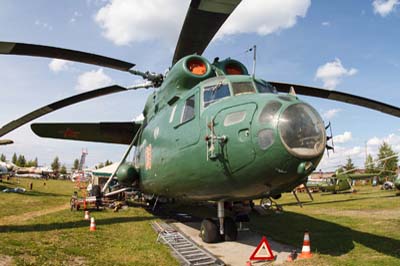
[265, 88]
[213, 93]
[188, 110]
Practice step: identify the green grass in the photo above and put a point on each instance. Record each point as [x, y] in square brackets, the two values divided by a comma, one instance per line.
[63, 237]
[345, 229]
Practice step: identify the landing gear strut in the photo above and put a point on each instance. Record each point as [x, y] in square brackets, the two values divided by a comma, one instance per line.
[222, 230]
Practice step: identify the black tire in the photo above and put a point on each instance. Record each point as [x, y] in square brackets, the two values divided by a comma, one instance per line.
[209, 232]
[96, 191]
[230, 229]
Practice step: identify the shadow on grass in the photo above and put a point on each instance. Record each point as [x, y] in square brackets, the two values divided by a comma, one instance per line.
[42, 193]
[326, 237]
[68, 225]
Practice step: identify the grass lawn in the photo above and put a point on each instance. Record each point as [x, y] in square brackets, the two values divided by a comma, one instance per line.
[37, 228]
[50, 234]
[345, 229]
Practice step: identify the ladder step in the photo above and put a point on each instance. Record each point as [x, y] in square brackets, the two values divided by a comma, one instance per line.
[201, 260]
[204, 263]
[189, 252]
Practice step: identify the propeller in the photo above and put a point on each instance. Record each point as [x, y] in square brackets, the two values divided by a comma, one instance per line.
[339, 96]
[13, 48]
[203, 19]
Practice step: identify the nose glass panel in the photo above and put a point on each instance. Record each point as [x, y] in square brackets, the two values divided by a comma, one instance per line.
[302, 131]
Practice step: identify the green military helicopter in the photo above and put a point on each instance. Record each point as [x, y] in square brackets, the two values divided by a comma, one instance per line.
[342, 181]
[211, 131]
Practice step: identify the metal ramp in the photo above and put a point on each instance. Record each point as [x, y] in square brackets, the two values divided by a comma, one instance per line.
[190, 253]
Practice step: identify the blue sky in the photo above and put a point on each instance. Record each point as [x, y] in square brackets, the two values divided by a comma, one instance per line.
[350, 46]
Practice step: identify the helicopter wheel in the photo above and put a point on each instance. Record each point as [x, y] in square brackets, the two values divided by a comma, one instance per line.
[209, 231]
[230, 229]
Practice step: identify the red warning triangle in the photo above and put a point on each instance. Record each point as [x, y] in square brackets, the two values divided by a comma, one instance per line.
[263, 251]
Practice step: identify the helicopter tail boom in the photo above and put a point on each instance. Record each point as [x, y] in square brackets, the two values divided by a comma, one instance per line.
[105, 132]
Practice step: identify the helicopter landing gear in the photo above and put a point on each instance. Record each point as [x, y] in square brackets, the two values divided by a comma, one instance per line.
[268, 204]
[222, 230]
[209, 232]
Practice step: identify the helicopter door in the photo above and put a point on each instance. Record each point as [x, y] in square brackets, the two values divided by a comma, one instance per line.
[234, 123]
[187, 131]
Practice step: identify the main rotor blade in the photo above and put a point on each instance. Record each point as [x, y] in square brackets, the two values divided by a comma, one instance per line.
[13, 48]
[6, 141]
[105, 132]
[58, 105]
[203, 19]
[339, 96]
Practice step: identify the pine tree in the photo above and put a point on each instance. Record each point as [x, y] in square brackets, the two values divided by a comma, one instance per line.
[2, 158]
[35, 162]
[76, 164]
[63, 170]
[14, 158]
[369, 164]
[349, 165]
[21, 161]
[55, 165]
[389, 165]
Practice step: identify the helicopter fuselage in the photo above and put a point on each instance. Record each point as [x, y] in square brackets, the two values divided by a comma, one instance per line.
[229, 137]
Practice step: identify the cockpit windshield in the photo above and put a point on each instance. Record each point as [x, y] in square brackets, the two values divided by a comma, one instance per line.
[215, 92]
[265, 88]
[243, 88]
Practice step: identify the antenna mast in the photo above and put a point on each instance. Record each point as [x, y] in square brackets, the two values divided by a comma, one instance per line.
[254, 59]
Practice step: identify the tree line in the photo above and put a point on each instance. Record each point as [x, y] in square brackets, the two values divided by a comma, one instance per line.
[19, 160]
[386, 167]
[56, 165]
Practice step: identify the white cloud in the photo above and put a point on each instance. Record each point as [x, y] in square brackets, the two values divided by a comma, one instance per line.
[332, 73]
[265, 17]
[74, 17]
[375, 141]
[331, 113]
[127, 21]
[340, 156]
[345, 137]
[57, 65]
[43, 25]
[93, 80]
[326, 23]
[384, 7]
[139, 118]
[391, 139]
[357, 153]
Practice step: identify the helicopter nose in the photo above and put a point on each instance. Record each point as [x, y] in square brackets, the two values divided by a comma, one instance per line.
[298, 126]
[302, 131]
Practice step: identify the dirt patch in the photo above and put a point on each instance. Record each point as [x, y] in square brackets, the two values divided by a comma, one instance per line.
[76, 261]
[15, 219]
[6, 260]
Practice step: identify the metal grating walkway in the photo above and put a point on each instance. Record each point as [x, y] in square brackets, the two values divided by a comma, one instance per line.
[190, 253]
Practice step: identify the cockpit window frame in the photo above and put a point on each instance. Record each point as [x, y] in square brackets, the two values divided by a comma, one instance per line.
[219, 84]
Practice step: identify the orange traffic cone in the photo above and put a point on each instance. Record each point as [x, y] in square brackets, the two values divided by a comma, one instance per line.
[306, 250]
[92, 224]
[87, 216]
